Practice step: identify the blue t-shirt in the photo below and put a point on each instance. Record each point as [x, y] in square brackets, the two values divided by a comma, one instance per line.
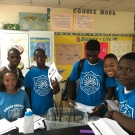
[127, 105]
[91, 90]
[41, 92]
[13, 106]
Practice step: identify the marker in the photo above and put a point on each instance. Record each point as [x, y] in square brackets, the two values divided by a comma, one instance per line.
[86, 131]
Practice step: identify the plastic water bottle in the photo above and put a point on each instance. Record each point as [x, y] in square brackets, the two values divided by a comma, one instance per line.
[28, 122]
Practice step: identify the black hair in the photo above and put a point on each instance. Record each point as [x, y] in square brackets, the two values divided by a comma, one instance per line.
[18, 84]
[111, 55]
[14, 50]
[93, 45]
[38, 50]
[130, 56]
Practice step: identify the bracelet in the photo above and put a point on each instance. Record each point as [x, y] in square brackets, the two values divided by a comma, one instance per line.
[110, 114]
[103, 104]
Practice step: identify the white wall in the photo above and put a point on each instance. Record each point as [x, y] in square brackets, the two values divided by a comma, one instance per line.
[122, 22]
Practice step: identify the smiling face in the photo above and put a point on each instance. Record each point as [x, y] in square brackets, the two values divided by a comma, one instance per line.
[110, 66]
[10, 81]
[126, 73]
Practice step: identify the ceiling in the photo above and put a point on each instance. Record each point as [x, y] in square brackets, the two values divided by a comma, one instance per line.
[117, 5]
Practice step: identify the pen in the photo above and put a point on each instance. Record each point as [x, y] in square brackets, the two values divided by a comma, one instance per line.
[97, 129]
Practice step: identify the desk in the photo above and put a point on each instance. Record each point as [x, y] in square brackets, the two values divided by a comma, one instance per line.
[64, 131]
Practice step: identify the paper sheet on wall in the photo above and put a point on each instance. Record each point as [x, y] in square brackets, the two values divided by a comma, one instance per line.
[68, 53]
[62, 21]
[120, 48]
[83, 22]
[53, 73]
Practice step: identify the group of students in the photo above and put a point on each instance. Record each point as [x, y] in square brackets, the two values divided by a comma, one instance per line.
[37, 95]
[99, 80]
[95, 88]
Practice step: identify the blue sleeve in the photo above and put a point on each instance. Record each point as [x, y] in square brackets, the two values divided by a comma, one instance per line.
[74, 73]
[110, 82]
[26, 102]
[27, 79]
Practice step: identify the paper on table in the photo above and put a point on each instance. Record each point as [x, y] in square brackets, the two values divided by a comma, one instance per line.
[107, 127]
[85, 108]
[5, 126]
[53, 73]
[113, 104]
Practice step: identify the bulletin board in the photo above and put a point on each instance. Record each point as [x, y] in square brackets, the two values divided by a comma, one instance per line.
[70, 47]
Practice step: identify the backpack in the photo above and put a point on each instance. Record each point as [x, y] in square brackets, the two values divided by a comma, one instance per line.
[64, 95]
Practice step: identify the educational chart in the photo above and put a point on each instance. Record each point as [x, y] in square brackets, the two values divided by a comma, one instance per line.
[39, 43]
[18, 41]
[32, 21]
[119, 48]
[109, 44]
[68, 54]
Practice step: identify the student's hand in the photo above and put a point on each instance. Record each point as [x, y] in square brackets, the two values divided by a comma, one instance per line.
[55, 85]
[97, 110]
[71, 103]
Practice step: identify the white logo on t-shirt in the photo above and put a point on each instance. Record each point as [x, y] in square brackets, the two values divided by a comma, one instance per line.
[90, 82]
[15, 113]
[126, 109]
[41, 85]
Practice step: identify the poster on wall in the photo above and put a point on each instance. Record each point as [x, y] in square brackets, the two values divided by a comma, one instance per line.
[68, 54]
[32, 21]
[120, 48]
[83, 22]
[103, 50]
[18, 41]
[62, 21]
[40, 42]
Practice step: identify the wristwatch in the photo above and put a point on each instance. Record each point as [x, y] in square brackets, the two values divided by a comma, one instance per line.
[110, 114]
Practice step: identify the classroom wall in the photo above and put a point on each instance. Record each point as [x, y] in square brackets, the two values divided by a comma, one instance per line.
[121, 23]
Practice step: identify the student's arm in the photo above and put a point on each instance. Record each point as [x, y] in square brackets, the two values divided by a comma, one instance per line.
[124, 121]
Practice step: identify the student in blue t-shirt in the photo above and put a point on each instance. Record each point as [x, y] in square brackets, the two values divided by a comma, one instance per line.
[37, 85]
[91, 90]
[13, 100]
[126, 94]
[110, 68]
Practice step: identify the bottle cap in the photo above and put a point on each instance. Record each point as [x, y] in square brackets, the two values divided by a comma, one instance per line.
[28, 112]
